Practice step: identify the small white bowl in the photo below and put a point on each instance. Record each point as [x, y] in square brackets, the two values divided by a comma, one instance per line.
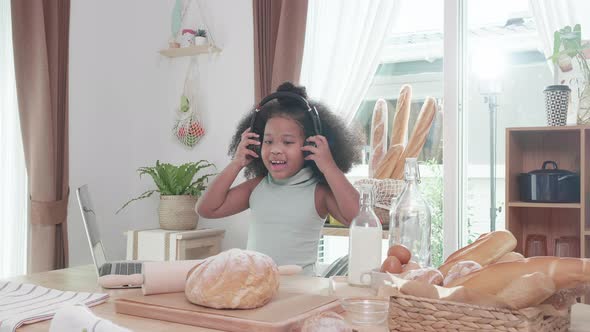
[365, 310]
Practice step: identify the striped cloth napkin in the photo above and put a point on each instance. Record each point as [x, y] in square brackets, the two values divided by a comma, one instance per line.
[26, 303]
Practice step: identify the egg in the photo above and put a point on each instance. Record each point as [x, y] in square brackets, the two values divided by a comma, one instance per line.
[401, 252]
[392, 265]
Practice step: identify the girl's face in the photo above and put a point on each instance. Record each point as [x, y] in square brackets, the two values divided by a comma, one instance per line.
[281, 147]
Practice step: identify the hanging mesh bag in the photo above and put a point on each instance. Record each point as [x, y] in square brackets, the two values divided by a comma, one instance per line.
[188, 127]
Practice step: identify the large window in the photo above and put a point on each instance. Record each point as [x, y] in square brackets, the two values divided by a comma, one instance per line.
[503, 61]
[13, 188]
[477, 35]
[414, 55]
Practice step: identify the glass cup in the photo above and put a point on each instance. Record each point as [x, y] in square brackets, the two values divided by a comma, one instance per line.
[536, 245]
[567, 246]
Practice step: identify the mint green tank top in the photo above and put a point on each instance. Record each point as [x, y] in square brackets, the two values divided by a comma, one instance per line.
[285, 224]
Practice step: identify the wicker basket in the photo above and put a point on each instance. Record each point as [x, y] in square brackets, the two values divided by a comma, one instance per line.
[409, 313]
[178, 212]
[385, 190]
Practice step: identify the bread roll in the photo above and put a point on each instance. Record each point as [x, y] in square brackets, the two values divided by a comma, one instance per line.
[402, 115]
[378, 135]
[510, 257]
[418, 138]
[566, 273]
[486, 250]
[456, 294]
[233, 279]
[326, 322]
[427, 275]
[527, 291]
[391, 159]
[461, 269]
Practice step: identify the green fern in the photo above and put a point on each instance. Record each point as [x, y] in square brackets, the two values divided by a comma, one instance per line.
[175, 180]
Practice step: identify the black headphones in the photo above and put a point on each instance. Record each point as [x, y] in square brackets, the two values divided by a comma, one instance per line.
[313, 113]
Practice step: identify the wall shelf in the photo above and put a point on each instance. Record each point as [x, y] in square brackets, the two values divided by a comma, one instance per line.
[189, 51]
[545, 205]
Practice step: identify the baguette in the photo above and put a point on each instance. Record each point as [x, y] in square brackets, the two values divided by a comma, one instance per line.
[486, 250]
[378, 135]
[418, 138]
[565, 272]
[388, 163]
[510, 257]
[528, 290]
[460, 251]
[402, 115]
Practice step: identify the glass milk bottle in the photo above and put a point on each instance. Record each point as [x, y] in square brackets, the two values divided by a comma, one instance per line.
[364, 251]
[409, 221]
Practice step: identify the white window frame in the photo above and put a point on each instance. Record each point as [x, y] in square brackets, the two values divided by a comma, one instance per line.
[455, 31]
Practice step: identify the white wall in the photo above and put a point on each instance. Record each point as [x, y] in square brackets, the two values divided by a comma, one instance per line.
[122, 100]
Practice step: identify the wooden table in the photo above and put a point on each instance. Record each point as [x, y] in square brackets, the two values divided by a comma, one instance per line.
[83, 278]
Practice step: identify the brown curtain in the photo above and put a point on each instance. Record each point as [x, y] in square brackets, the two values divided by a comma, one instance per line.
[279, 35]
[40, 32]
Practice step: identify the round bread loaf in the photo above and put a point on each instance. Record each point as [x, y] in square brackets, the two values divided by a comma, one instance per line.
[233, 279]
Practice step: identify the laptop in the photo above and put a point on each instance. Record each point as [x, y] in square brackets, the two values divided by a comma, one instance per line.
[117, 274]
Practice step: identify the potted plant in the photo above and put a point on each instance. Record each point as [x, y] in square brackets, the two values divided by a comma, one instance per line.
[179, 192]
[201, 37]
[568, 47]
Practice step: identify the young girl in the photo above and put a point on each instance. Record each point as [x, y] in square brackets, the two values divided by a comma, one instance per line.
[290, 194]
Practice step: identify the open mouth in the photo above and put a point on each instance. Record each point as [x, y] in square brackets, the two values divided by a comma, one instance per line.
[277, 165]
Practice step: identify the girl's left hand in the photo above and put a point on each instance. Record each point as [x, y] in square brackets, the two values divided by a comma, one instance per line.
[320, 153]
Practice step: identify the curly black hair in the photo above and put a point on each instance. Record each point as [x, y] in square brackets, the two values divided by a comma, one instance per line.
[345, 142]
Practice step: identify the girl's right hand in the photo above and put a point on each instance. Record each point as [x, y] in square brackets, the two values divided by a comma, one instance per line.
[244, 156]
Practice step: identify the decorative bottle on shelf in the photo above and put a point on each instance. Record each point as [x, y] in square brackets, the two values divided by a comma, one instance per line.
[364, 251]
[409, 222]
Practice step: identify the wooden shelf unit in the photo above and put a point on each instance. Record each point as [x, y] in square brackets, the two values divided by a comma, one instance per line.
[526, 150]
[545, 205]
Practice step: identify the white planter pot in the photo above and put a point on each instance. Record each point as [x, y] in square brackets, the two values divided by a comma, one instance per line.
[199, 40]
[178, 212]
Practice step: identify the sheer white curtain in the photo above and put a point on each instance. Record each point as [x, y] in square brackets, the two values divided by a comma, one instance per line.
[551, 15]
[343, 44]
[13, 183]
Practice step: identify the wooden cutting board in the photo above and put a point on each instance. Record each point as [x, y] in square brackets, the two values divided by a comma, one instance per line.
[285, 312]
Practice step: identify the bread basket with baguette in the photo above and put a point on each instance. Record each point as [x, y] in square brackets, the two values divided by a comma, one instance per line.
[386, 164]
[387, 161]
[411, 313]
[488, 287]
[386, 191]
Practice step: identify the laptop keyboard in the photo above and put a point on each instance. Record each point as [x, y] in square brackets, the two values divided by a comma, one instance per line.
[122, 268]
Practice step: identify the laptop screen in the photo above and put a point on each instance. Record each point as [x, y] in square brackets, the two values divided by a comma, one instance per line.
[91, 226]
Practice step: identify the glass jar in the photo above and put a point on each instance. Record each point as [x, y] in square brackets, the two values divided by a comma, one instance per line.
[410, 220]
[364, 250]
